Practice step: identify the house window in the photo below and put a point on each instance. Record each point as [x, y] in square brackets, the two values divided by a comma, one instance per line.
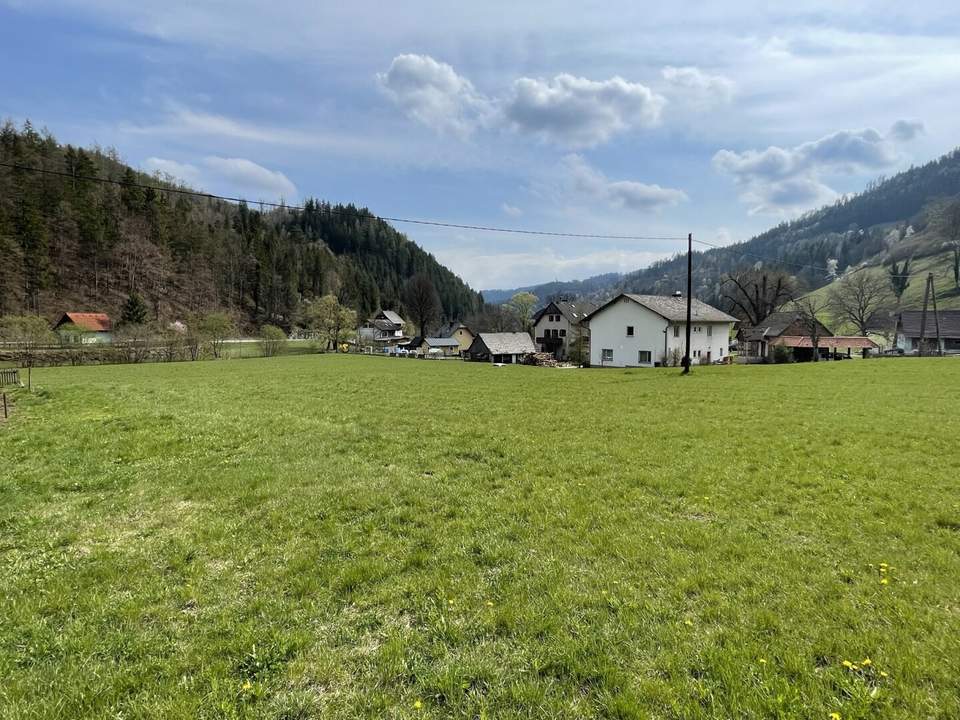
[563, 332]
[676, 331]
[644, 357]
[606, 355]
[629, 330]
[709, 330]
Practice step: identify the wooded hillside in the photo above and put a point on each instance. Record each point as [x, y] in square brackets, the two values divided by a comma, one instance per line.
[77, 244]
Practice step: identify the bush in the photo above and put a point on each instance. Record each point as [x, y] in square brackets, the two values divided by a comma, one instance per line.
[272, 340]
[782, 354]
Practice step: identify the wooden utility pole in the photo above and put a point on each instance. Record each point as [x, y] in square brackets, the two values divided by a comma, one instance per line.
[929, 294]
[686, 354]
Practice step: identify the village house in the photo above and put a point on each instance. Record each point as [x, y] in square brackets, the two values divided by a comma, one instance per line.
[459, 332]
[439, 347]
[559, 325]
[650, 330]
[791, 331]
[386, 328]
[908, 330]
[84, 328]
[503, 347]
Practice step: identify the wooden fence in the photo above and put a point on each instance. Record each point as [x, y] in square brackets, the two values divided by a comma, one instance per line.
[9, 376]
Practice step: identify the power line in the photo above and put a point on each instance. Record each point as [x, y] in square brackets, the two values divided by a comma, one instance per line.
[413, 221]
[334, 211]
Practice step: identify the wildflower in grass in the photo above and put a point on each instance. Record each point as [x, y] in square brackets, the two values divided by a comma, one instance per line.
[884, 674]
[866, 662]
[247, 686]
[450, 601]
[417, 704]
[884, 581]
[847, 664]
[835, 716]
[489, 603]
[763, 661]
[688, 623]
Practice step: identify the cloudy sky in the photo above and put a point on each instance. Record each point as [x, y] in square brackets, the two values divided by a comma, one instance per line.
[590, 117]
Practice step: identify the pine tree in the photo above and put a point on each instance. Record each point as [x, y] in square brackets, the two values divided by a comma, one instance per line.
[134, 311]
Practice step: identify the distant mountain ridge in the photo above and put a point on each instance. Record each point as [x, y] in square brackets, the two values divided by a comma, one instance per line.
[888, 221]
[579, 288]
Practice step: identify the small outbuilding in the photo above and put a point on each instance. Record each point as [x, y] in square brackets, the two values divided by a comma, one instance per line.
[909, 330]
[504, 347]
[439, 347]
[85, 328]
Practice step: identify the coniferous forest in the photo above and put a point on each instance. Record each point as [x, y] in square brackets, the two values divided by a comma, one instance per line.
[72, 243]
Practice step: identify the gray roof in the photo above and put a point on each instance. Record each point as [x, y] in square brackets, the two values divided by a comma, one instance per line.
[574, 311]
[774, 325]
[507, 343]
[909, 323]
[674, 308]
[442, 342]
[393, 317]
[450, 328]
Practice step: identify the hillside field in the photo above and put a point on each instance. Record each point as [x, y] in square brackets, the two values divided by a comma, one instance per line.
[338, 537]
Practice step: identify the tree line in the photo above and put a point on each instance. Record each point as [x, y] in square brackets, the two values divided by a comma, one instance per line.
[73, 243]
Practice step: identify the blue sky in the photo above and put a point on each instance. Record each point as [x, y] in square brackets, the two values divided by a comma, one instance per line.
[604, 117]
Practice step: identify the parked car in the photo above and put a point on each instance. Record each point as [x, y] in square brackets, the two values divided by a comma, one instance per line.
[894, 351]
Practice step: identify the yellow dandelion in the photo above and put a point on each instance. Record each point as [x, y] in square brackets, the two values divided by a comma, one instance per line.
[763, 661]
[867, 662]
[855, 667]
[450, 602]
[603, 592]
[489, 603]
[884, 581]
[847, 664]
[247, 685]
[835, 716]
[688, 623]
[884, 674]
[417, 704]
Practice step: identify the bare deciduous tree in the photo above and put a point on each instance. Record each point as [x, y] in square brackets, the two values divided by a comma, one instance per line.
[809, 308]
[756, 293]
[422, 301]
[863, 299]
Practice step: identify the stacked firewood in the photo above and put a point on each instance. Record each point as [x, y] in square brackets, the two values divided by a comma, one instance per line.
[541, 360]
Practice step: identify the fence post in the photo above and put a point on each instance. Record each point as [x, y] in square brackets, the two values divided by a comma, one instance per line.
[4, 406]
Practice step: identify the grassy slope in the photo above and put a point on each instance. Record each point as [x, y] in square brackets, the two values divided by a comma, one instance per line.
[948, 298]
[341, 536]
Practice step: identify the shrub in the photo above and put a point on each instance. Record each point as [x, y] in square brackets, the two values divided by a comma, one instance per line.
[272, 340]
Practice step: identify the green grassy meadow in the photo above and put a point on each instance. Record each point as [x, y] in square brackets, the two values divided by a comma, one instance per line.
[361, 537]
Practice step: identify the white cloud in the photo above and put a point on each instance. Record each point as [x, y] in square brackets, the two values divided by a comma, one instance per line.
[785, 180]
[570, 111]
[247, 175]
[581, 179]
[511, 210]
[577, 112]
[432, 93]
[697, 88]
[234, 175]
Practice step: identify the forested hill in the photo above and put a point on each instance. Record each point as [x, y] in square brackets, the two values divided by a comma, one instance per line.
[889, 220]
[73, 244]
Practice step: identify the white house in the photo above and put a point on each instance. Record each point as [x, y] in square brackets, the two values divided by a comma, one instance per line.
[648, 330]
[558, 325]
[386, 328]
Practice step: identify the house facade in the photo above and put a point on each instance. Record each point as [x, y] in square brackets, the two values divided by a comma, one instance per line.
[505, 347]
[84, 328]
[439, 347]
[909, 325]
[459, 332]
[558, 328]
[385, 328]
[650, 330]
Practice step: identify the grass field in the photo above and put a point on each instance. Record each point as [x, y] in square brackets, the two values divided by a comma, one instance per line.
[336, 537]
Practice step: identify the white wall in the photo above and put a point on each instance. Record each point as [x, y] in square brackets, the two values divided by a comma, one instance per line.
[608, 329]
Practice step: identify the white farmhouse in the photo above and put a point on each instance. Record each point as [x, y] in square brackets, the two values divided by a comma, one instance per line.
[648, 330]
